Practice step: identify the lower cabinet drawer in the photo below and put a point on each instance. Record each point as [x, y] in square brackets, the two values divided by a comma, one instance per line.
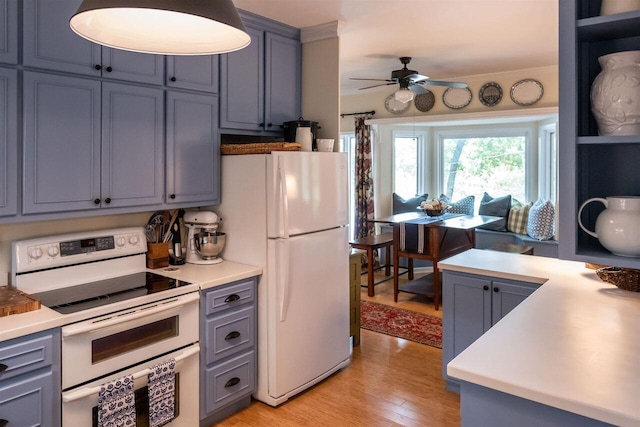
[229, 333]
[27, 402]
[229, 381]
[22, 355]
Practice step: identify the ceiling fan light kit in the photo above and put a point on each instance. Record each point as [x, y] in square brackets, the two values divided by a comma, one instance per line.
[404, 95]
[167, 27]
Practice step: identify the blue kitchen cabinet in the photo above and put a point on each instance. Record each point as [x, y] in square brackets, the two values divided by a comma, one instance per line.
[89, 145]
[8, 141]
[49, 43]
[472, 304]
[193, 148]
[200, 72]
[228, 335]
[9, 31]
[593, 165]
[30, 380]
[260, 85]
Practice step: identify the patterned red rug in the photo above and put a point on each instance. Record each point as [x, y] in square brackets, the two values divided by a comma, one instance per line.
[398, 322]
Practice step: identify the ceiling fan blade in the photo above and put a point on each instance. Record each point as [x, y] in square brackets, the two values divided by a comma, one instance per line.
[375, 80]
[442, 83]
[382, 84]
[417, 89]
[416, 78]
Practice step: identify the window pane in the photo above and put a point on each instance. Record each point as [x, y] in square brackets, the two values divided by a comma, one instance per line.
[405, 155]
[495, 165]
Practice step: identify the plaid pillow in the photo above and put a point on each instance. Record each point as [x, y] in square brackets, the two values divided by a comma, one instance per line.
[518, 216]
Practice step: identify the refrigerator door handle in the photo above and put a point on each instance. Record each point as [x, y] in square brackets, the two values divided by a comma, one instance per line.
[283, 202]
[282, 277]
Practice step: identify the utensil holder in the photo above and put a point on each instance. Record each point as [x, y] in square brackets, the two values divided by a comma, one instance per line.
[157, 255]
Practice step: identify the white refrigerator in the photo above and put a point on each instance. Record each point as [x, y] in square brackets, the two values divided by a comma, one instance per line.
[287, 212]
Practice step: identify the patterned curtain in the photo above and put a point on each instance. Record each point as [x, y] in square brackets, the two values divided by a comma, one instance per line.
[364, 180]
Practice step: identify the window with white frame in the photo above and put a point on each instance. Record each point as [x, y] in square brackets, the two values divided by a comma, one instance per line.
[495, 161]
[348, 145]
[408, 163]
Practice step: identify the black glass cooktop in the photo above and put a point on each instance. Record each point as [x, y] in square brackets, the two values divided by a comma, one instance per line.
[109, 291]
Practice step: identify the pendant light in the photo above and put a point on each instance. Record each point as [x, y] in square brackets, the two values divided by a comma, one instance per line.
[403, 95]
[169, 27]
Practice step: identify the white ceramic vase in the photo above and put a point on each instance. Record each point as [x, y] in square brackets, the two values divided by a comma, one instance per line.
[615, 94]
[609, 7]
[618, 226]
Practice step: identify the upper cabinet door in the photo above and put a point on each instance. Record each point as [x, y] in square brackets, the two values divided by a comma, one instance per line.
[132, 145]
[242, 93]
[8, 141]
[193, 72]
[193, 148]
[61, 145]
[49, 42]
[132, 66]
[282, 80]
[9, 31]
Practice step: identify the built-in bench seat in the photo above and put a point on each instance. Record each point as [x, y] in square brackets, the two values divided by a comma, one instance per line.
[487, 238]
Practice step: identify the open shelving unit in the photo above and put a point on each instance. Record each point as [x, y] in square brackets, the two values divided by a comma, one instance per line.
[591, 165]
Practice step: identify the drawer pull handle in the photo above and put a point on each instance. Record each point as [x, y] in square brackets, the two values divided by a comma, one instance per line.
[485, 287]
[232, 298]
[232, 336]
[496, 289]
[233, 381]
[3, 368]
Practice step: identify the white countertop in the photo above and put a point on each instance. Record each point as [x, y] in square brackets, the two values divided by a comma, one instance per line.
[206, 276]
[574, 344]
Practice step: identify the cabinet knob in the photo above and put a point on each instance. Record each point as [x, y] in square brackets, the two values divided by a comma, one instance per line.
[3, 367]
[496, 289]
[261, 125]
[107, 200]
[96, 201]
[269, 125]
[172, 196]
[485, 287]
[233, 381]
[3, 423]
[109, 69]
[232, 298]
[232, 336]
[173, 79]
[98, 67]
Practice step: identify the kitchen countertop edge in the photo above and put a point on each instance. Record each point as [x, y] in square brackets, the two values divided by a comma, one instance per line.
[535, 318]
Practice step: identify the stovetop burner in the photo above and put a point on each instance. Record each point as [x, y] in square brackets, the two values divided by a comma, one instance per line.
[96, 294]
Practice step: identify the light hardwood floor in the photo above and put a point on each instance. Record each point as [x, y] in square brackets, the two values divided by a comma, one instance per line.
[390, 382]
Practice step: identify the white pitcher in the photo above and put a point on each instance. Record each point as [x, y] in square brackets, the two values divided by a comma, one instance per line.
[618, 226]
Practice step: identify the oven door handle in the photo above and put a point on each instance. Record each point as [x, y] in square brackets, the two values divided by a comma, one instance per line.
[88, 391]
[69, 331]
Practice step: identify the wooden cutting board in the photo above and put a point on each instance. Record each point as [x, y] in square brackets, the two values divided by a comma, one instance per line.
[12, 301]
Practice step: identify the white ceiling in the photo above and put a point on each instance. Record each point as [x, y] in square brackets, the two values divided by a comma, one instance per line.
[447, 39]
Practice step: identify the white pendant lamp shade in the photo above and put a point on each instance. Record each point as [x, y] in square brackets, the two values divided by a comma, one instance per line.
[169, 27]
[403, 95]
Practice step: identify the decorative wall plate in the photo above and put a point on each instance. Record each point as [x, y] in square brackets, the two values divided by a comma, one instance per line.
[490, 94]
[394, 106]
[425, 101]
[526, 92]
[457, 98]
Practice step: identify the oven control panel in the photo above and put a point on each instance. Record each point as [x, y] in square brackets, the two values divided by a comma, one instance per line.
[69, 249]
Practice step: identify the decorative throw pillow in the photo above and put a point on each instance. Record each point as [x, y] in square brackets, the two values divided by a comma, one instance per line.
[401, 205]
[541, 222]
[518, 216]
[495, 207]
[463, 206]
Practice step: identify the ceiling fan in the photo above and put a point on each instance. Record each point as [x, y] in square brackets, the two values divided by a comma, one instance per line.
[410, 82]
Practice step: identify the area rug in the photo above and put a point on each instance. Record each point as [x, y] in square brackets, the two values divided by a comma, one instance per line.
[398, 322]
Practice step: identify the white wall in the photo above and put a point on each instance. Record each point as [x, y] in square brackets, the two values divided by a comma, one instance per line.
[374, 99]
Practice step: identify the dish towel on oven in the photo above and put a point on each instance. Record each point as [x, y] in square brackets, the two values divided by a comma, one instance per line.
[117, 403]
[162, 393]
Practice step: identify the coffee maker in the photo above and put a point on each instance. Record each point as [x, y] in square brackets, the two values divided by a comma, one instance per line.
[204, 242]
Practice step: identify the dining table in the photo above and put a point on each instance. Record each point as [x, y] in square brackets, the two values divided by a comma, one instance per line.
[417, 235]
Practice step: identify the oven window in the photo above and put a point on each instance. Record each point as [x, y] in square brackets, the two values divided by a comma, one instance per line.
[142, 405]
[131, 339]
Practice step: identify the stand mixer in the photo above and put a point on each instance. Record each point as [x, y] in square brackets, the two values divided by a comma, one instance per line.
[204, 242]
